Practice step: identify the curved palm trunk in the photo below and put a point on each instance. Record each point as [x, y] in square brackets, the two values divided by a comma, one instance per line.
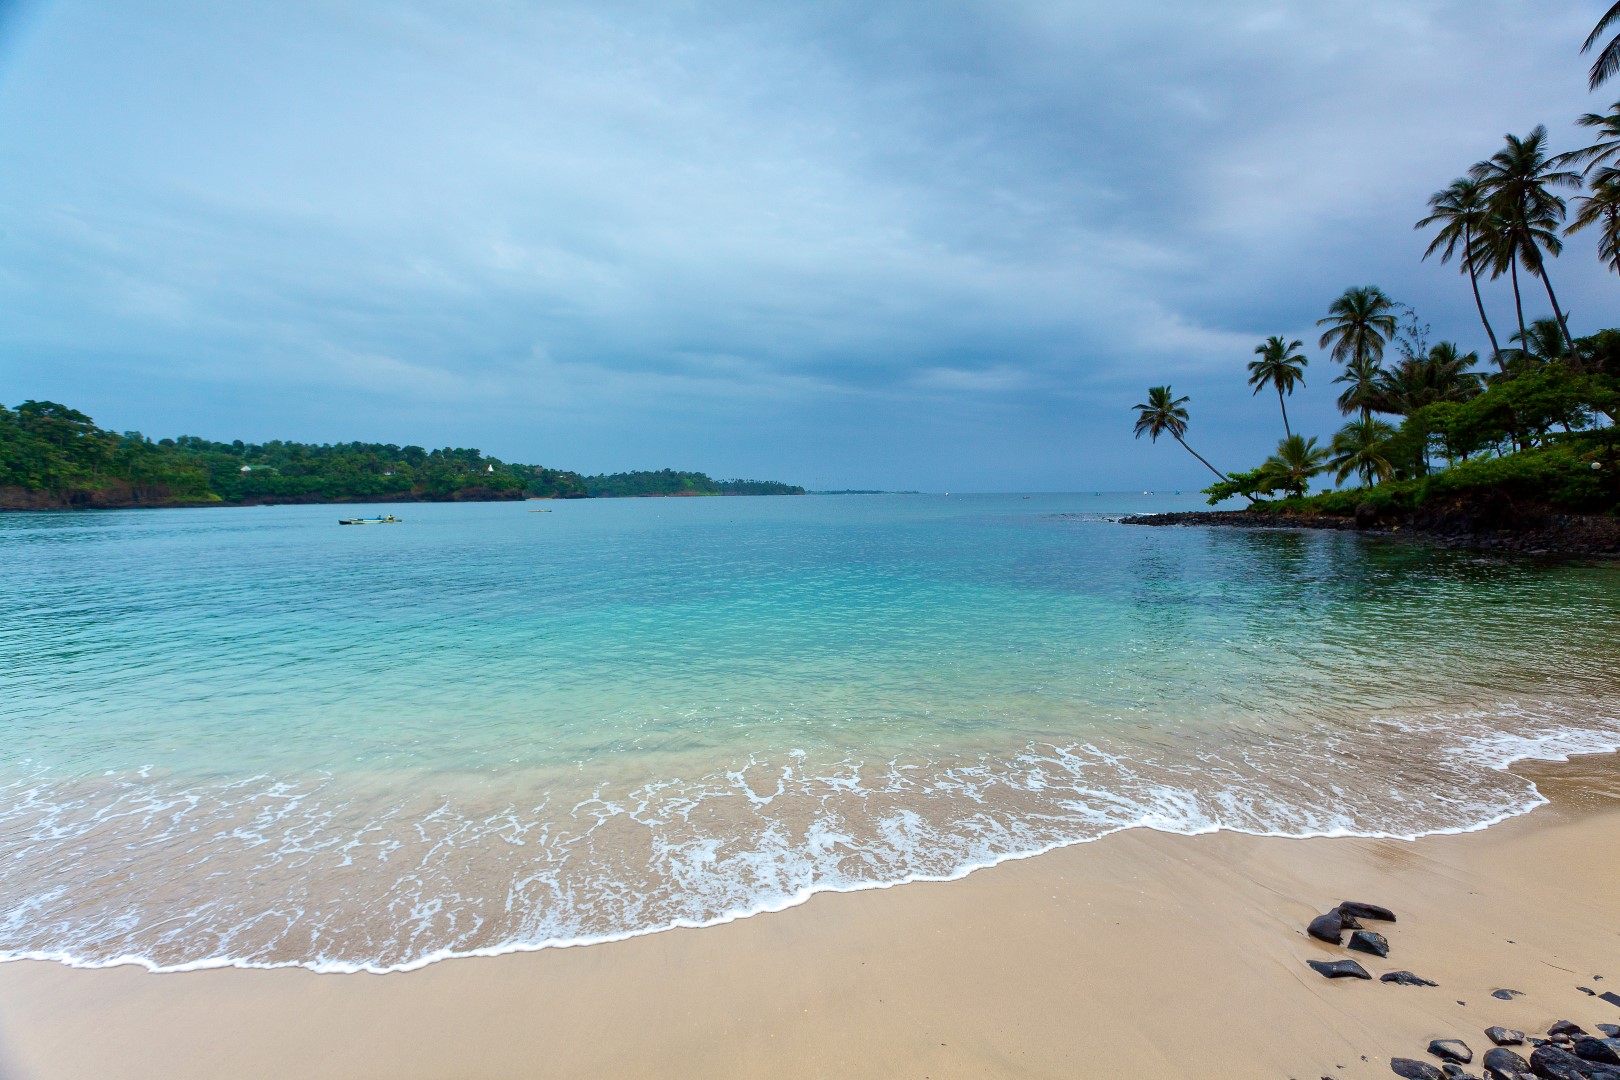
[1518, 302]
[1473, 279]
[1283, 405]
[1200, 457]
[1563, 324]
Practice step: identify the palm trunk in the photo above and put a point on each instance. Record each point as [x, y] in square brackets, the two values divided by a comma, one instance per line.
[1563, 324]
[1473, 279]
[1283, 405]
[1200, 457]
[1518, 303]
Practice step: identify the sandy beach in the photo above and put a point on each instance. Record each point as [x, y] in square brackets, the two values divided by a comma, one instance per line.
[1143, 954]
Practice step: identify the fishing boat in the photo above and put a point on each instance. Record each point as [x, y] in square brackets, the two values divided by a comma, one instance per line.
[388, 519]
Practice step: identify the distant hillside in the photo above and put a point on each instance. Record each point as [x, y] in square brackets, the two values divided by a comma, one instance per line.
[669, 482]
[52, 456]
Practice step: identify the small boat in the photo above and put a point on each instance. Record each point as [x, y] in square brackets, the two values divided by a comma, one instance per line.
[389, 519]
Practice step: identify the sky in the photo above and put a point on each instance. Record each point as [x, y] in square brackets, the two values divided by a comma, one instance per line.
[938, 245]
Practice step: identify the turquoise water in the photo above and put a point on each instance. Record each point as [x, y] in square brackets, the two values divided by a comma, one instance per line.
[251, 736]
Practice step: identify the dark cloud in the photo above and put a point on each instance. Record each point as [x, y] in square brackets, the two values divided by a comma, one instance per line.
[939, 245]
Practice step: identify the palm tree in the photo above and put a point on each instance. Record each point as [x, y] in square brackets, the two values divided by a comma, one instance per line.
[1541, 344]
[1415, 382]
[1607, 146]
[1602, 208]
[1608, 61]
[1461, 213]
[1282, 366]
[1359, 324]
[1359, 448]
[1291, 468]
[1361, 394]
[1165, 414]
[1518, 182]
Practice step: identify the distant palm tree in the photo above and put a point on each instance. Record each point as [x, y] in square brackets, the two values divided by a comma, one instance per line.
[1361, 393]
[1359, 447]
[1601, 207]
[1605, 148]
[1518, 182]
[1280, 365]
[1462, 214]
[1608, 60]
[1291, 468]
[1165, 414]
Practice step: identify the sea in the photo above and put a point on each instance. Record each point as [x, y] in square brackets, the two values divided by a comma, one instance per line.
[253, 737]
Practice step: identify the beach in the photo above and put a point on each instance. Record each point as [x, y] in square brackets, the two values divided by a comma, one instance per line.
[1143, 954]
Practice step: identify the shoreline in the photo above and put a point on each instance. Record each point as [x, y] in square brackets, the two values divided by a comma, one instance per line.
[1191, 947]
[1585, 536]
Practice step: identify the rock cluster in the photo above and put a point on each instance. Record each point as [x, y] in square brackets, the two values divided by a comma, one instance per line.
[1330, 927]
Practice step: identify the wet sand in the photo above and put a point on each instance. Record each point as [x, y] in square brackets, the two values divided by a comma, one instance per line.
[1143, 954]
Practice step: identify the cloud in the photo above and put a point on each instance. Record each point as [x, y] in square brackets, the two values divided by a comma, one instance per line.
[719, 232]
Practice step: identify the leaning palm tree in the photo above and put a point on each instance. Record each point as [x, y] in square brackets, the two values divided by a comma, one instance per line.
[1291, 468]
[1608, 60]
[1601, 207]
[1280, 365]
[1605, 148]
[1359, 447]
[1165, 414]
[1461, 213]
[1518, 182]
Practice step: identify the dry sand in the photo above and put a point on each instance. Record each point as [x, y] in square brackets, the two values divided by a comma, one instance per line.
[1142, 955]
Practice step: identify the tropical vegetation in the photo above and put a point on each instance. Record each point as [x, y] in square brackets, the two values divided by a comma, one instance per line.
[1536, 419]
[55, 456]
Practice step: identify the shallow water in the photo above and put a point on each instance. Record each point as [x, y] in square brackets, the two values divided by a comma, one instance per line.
[249, 736]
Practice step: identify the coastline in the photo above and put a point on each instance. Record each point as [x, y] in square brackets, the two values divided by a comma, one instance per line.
[1143, 953]
[1525, 532]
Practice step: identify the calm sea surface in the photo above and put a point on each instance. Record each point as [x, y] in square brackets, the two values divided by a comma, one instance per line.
[251, 736]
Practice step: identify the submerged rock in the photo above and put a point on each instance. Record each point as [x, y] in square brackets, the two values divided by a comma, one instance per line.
[1368, 942]
[1502, 1036]
[1605, 1051]
[1339, 969]
[1451, 1050]
[1329, 928]
[1415, 1070]
[1405, 978]
[1366, 911]
[1503, 1064]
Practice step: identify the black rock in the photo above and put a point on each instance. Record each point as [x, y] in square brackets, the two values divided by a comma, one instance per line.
[1565, 1027]
[1367, 911]
[1328, 928]
[1415, 1070]
[1368, 942]
[1366, 515]
[1502, 1036]
[1604, 1051]
[1451, 1050]
[1503, 1064]
[1405, 978]
[1456, 1072]
[1551, 1063]
[1339, 969]
[1348, 921]
[1611, 1030]
[1587, 990]
[1610, 997]
[1506, 995]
